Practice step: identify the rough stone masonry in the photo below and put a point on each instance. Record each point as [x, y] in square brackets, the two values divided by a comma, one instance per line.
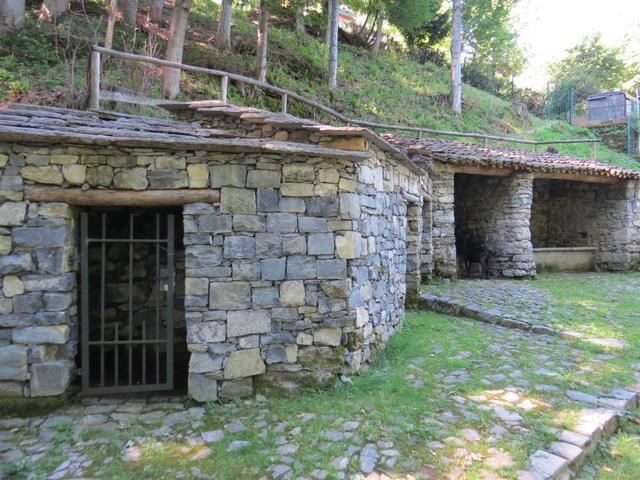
[298, 273]
[298, 264]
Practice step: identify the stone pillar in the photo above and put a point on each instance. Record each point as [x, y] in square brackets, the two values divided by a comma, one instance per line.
[38, 311]
[426, 251]
[619, 227]
[510, 239]
[495, 213]
[414, 250]
[443, 225]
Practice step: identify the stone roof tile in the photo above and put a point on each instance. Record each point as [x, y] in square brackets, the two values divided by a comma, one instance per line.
[458, 153]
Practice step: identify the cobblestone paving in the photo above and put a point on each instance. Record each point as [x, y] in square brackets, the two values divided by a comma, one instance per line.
[510, 299]
[467, 400]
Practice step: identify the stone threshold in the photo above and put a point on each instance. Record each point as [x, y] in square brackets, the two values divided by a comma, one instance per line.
[476, 312]
[449, 306]
[566, 456]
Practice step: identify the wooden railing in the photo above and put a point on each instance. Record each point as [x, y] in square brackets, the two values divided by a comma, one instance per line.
[96, 95]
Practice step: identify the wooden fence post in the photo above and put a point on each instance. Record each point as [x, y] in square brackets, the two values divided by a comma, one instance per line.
[285, 102]
[594, 150]
[224, 88]
[94, 93]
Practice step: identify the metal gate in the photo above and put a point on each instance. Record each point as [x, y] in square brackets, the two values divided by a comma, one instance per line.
[127, 300]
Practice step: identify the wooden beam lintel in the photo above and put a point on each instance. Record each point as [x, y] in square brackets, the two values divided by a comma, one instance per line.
[488, 171]
[577, 177]
[120, 198]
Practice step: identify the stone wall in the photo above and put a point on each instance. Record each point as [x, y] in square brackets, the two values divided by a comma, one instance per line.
[579, 214]
[297, 274]
[38, 300]
[310, 271]
[565, 213]
[495, 212]
[619, 233]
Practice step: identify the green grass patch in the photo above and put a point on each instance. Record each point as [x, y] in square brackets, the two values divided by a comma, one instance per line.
[32, 407]
[46, 65]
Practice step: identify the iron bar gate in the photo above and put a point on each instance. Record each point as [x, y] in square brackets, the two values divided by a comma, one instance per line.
[124, 332]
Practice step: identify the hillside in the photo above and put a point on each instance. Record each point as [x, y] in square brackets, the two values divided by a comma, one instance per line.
[393, 88]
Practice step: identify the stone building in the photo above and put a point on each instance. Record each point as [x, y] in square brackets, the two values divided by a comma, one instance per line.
[236, 248]
[528, 209]
[140, 252]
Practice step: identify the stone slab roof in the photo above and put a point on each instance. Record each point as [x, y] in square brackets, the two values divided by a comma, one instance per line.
[286, 121]
[458, 153]
[36, 124]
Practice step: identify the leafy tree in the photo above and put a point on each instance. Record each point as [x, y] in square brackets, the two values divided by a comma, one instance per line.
[591, 67]
[410, 15]
[495, 55]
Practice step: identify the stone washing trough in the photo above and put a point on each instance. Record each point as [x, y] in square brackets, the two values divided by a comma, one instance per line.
[564, 259]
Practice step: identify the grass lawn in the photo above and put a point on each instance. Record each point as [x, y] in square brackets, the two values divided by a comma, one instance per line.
[448, 397]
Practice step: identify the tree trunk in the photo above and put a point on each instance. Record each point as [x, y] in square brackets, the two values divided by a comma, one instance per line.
[111, 23]
[175, 46]
[373, 26]
[157, 9]
[456, 56]
[327, 32]
[11, 15]
[129, 12]
[375, 49]
[333, 45]
[300, 28]
[51, 9]
[263, 28]
[223, 37]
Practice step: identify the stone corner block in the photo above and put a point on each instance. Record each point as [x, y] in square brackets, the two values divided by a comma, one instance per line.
[50, 378]
[348, 245]
[201, 388]
[244, 363]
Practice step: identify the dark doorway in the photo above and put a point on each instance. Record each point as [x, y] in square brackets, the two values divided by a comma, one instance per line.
[132, 300]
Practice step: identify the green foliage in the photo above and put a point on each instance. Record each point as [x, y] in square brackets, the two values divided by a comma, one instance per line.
[392, 88]
[496, 57]
[410, 15]
[591, 67]
[28, 407]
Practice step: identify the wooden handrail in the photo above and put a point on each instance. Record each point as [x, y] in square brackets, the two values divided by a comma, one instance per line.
[285, 95]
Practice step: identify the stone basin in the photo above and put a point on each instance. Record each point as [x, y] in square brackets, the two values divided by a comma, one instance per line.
[564, 259]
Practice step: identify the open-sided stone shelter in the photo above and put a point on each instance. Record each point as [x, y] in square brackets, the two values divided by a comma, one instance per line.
[531, 210]
[235, 247]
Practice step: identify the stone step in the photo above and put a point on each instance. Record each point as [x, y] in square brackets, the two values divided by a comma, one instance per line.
[451, 307]
[569, 452]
